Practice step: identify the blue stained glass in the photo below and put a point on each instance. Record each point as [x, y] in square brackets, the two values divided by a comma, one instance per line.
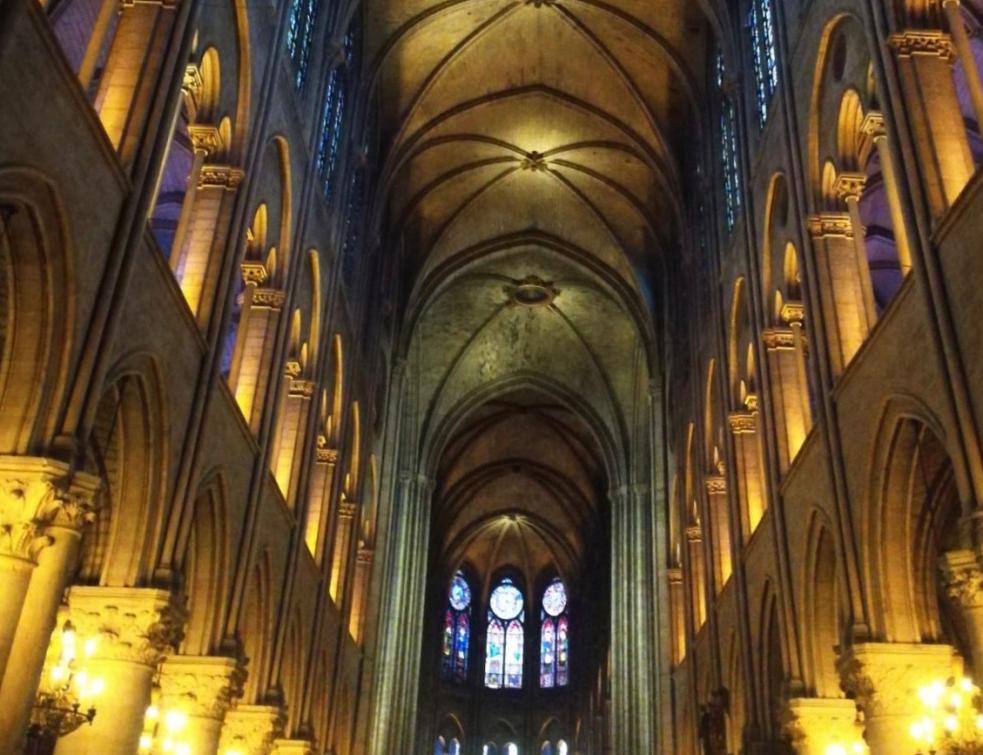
[332, 125]
[460, 593]
[494, 654]
[514, 641]
[730, 167]
[762, 26]
[456, 630]
[553, 637]
[300, 34]
[555, 599]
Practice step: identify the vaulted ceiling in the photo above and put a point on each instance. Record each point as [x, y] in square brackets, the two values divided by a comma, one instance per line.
[532, 154]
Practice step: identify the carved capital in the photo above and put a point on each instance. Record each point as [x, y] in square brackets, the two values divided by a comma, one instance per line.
[302, 389]
[850, 185]
[205, 139]
[137, 625]
[831, 225]
[251, 729]
[38, 493]
[873, 125]
[364, 556]
[326, 454]
[254, 273]
[716, 485]
[743, 422]
[817, 724]
[201, 686]
[675, 576]
[347, 509]
[271, 298]
[293, 368]
[928, 42]
[192, 83]
[884, 678]
[778, 338]
[220, 176]
[963, 578]
[793, 313]
[694, 533]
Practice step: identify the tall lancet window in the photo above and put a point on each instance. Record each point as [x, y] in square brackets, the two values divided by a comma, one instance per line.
[761, 22]
[554, 639]
[456, 634]
[300, 35]
[506, 635]
[730, 167]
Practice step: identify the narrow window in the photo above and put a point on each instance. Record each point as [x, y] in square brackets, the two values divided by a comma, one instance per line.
[456, 632]
[761, 23]
[554, 643]
[505, 637]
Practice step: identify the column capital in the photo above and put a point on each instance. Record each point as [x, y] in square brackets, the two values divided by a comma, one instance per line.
[220, 176]
[271, 298]
[133, 624]
[927, 42]
[251, 729]
[326, 454]
[885, 677]
[347, 509]
[37, 493]
[873, 125]
[675, 575]
[963, 577]
[302, 389]
[793, 313]
[831, 225]
[743, 422]
[849, 185]
[815, 725]
[776, 339]
[694, 533]
[715, 484]
[205, 139]
[254, 273]
[201, 686]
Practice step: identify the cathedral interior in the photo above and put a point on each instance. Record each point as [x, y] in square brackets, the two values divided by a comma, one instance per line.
[491, 377]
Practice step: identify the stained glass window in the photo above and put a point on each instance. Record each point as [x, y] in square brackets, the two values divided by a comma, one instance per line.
[554, 641]
[730, 167]
[300, 33]
[505, 638]
[454, 748]
[332, 125]
[353, 225]
[456, 630]
[561, 748]
[761, 23]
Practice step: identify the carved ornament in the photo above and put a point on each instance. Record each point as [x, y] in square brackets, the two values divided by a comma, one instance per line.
[535, 161]
[220, 176]
[850, 185]
[137, 625]
[326, 454]
[694, 533]
[716, 485]
[929, 42]
[254, 273]
[271, 298]
[205, 139]
[793, 313]
[364, 556]
[251, 729]
[831, 225]
[203, 687]
[293, 368]
[776, 339]
[743, 422]
[347, 509]
[873, 125]
[301, 388]
[963, 578]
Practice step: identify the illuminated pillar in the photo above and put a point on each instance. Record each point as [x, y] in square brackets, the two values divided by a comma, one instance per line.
[319, 497]
[132, 72]
[849, 188]
[677, 606]
[205, 141]
[196, 261]
[839, 286]
[360, 587]
[818, 725]
[885, 678]
[43, 510]
[786, 365]
[964, 584]
[135, 627]
[697, 575]
[342, 545]
[719, 503]
[873, 126]
[201, 687]
[744, 428]
[925, 58]
[957, 28]
[251, 730]
[291, 431]
[254, 343]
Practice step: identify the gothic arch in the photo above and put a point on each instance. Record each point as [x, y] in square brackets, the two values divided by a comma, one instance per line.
[37, 308]
[256, 627]
[825, 611]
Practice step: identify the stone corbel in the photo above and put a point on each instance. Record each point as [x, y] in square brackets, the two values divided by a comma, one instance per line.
[251, 729]
[201, 686]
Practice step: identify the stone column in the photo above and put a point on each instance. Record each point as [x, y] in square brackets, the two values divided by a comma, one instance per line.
[839, 286]
[205, 141]
[957, 28]
[751, 494]
[319, 497]
[818, 724]
[697, 575]
[43, 511]
[339, 552]
[203, 688]
[786, 365]
[251, 730]
[963, 577]
[849, 187]
[925, 58]
[885, 678]
[678, 608]
[135, 627]
[873, 127]
[719, 502]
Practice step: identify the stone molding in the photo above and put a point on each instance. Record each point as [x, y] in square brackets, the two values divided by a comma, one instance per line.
[220, 176]
[884, 678]
[716, 485]
[743, 423]
[347, 509]
[254, 273]
[205, 139]
[201, 686]
[694, 533]
[251, 729]
[133, 624]
[873, 125]
[850, 185]
[303, 389]
[37, 493]
[831, 225]
[778, 339]
[271, 298]
[927, 42]
[326, 454]
[793, 313]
